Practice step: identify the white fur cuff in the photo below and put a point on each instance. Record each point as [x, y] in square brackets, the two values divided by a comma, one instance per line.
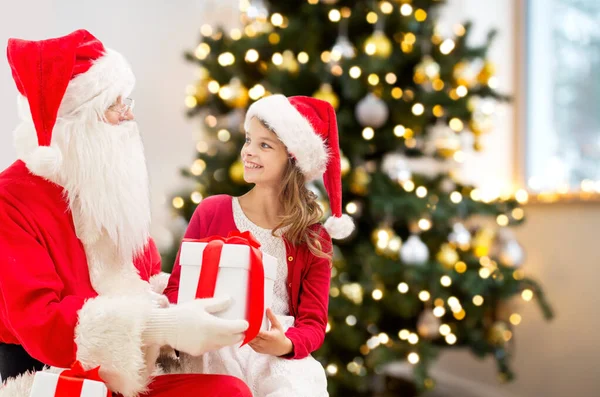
[109, 335]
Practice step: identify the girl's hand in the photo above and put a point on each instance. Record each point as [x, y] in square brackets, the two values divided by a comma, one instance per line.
[274, 341]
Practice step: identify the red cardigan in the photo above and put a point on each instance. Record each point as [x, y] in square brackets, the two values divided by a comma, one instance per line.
[308, 275]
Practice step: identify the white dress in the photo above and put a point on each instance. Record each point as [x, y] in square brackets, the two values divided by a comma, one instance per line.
[266, 375]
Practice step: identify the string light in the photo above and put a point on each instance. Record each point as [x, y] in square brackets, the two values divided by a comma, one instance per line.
[413, 358]
[424, 296]
[447, 46]
[256, 92]
[334, 15]
[502, 220]
[399, 130]
[206, 30]
[226, 59]
[368, 133]
[377, 294]
[478, 300]
[251, 55]
[527, 295]
[355, 72]
[450, 339]
[413, 339]
[373, 79]
[403, 288]
[202, 51]
[418, 109]
[446, 281]
[445, 329]
[406, 9]
[372, 17]
[456, 197]
[351, 320]
[277, 19]
[390, 78]
[409, 186]
[403, 334]
[424, 224]
[223, 135]
[196, 197]
[191, 101]
[386, 7]
[351, 208]
[178, 202]
[456, 124]
[439, 311]
[518, 213]
[421, 191]
[515, 319]
[303, 57]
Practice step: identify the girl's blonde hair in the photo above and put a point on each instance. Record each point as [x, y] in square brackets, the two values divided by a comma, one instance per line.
[301, 210]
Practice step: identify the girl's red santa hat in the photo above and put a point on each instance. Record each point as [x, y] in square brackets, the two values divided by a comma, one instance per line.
[64, 77]
[307, 126]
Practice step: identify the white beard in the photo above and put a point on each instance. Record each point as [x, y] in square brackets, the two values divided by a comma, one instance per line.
[105, 180]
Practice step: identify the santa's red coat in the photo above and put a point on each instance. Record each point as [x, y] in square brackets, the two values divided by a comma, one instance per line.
[48, 304]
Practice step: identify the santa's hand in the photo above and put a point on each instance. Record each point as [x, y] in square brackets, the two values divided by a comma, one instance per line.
[159, 300]
[274, 341]
[192, 328]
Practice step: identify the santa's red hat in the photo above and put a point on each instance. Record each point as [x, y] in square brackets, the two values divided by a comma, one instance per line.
[60, 77]
[307, 126]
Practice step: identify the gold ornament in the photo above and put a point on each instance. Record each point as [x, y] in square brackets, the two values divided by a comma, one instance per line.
[466, 73]
[498, 333]
[326, 93]
[447, 256]
[487, 71]
[345, 165]
[482, 242]
[427, 71]
[378, 44]
[447, 143]
[200, 90]
[236, 95]
[236, 172]
[360, 181]
[428, 325]
[289, 62]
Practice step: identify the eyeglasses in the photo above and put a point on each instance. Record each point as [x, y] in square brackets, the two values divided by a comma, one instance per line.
[122, 108]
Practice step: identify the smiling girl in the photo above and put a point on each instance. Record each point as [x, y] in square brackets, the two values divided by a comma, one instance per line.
[289, 141]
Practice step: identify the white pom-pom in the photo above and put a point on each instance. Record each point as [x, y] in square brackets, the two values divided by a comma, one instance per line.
[44, 161]
[339, 228]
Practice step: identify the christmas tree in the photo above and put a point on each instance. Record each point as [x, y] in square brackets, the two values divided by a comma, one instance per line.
[432, 263]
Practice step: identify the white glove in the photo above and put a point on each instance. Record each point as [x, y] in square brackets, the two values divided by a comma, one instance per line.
[192, 328]
[159, 300]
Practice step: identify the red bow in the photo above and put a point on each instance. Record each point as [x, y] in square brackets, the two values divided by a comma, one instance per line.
[70, 381]
[256, 284]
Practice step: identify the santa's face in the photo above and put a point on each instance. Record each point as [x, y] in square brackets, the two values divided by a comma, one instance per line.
[105, 177]
[264, 156]
[120, 111]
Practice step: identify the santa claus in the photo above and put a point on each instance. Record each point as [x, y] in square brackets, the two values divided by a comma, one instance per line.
[76, 262]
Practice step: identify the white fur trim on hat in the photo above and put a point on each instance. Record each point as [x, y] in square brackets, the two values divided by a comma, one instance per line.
[294, 131]
[109, 77]
[44, 161]
[339, 228]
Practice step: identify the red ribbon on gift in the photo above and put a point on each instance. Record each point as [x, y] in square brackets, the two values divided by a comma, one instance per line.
[211, 257]
[70, 381]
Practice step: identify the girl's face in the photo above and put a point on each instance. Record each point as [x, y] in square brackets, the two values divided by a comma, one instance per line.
[264, 156]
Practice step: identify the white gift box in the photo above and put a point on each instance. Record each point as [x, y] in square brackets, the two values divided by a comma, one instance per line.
[44, 385]
[232, 278]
